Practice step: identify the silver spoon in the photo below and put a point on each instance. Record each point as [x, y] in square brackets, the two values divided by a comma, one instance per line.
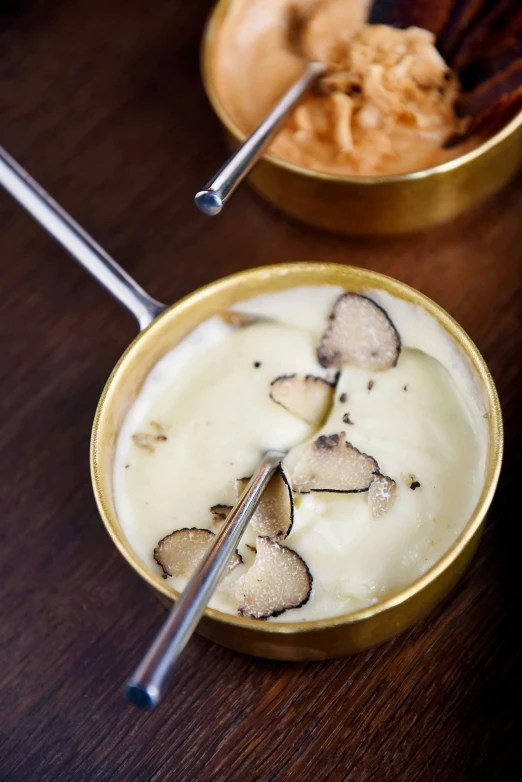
[219, 189]
[148, 684]
[76, 241]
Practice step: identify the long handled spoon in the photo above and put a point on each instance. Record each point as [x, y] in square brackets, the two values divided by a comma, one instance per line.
[149, 681]
[76, 241]
[218, 190]
[148, 684]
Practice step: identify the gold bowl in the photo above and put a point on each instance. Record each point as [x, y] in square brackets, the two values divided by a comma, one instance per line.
[382, 205]
[310, 640]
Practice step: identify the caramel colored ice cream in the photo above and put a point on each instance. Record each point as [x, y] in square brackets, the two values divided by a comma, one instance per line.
[384, 107]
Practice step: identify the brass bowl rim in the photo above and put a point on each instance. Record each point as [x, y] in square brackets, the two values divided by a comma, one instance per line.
[211, 26]
[369, 279]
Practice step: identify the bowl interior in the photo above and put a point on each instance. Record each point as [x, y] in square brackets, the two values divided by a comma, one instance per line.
[172, 325]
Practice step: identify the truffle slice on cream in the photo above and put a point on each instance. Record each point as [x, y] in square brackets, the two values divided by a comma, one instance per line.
[220, 512]
[278, 580]
[274, 515]
[429, 15]
[332, 464]
[181, 552]
[360, 333]
[306, 396]
[241, 319]
[148, 441]
[381, 495]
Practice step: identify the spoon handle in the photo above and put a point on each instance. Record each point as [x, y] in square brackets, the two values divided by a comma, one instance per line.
[149, 681]
[81, 246]
[219, 189]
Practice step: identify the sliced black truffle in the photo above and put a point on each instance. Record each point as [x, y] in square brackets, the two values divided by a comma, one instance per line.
[278, 580]
[181, 552]
[147, 441]
[360, 333]
[159, 429]
[220, 512]
[240, 319]
[331, 463]
[274, 516]
[410, 480]
[306, 396]
[487, 65]
[381, 495]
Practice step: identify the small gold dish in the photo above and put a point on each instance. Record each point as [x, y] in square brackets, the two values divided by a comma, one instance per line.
[383, 205]
[310, 640]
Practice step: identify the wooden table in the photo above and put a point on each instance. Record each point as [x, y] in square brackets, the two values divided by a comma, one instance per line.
[102, 102]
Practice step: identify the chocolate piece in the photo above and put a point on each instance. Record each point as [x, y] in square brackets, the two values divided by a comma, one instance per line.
[278, 580]
[181, 552]
[430, 14]
[483, 97]
[332, 464]
[360, 333]
[493, 103]
[494, 30]
[308, 397]
[463, 14]
[502, 112]
[485, 68]
[489, 61]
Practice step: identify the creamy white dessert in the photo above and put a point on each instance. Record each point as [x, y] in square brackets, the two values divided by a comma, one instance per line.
[415, 431]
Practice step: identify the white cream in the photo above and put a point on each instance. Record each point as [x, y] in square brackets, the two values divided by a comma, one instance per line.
[214, 405]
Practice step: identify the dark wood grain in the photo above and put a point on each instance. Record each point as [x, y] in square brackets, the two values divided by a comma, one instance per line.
[102, 102]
